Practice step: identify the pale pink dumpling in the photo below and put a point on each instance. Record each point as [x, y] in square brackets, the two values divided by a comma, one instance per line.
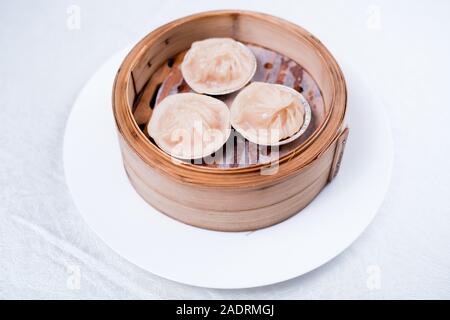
[218, 66]
[267, 113]
[190, 125]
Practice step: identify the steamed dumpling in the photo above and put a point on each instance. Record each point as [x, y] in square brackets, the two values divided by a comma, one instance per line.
[190, 125]
[267, 113]
[218, 66]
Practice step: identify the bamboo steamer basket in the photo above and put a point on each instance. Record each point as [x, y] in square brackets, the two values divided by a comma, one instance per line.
[254, 194]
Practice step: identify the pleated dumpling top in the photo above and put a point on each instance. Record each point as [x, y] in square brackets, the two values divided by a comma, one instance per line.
[190, 125]
[218, 66]
[267, 113]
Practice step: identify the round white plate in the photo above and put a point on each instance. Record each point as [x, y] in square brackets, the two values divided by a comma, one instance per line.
[173, 250]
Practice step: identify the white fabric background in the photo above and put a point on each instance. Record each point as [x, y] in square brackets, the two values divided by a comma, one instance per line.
[403, 49]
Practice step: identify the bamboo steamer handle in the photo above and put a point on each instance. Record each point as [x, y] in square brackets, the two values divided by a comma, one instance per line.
[341, 141]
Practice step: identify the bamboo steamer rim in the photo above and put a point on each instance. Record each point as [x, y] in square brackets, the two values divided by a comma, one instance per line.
[243, 177]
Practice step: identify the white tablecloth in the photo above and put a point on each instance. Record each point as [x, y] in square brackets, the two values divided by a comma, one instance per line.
[48, 51]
